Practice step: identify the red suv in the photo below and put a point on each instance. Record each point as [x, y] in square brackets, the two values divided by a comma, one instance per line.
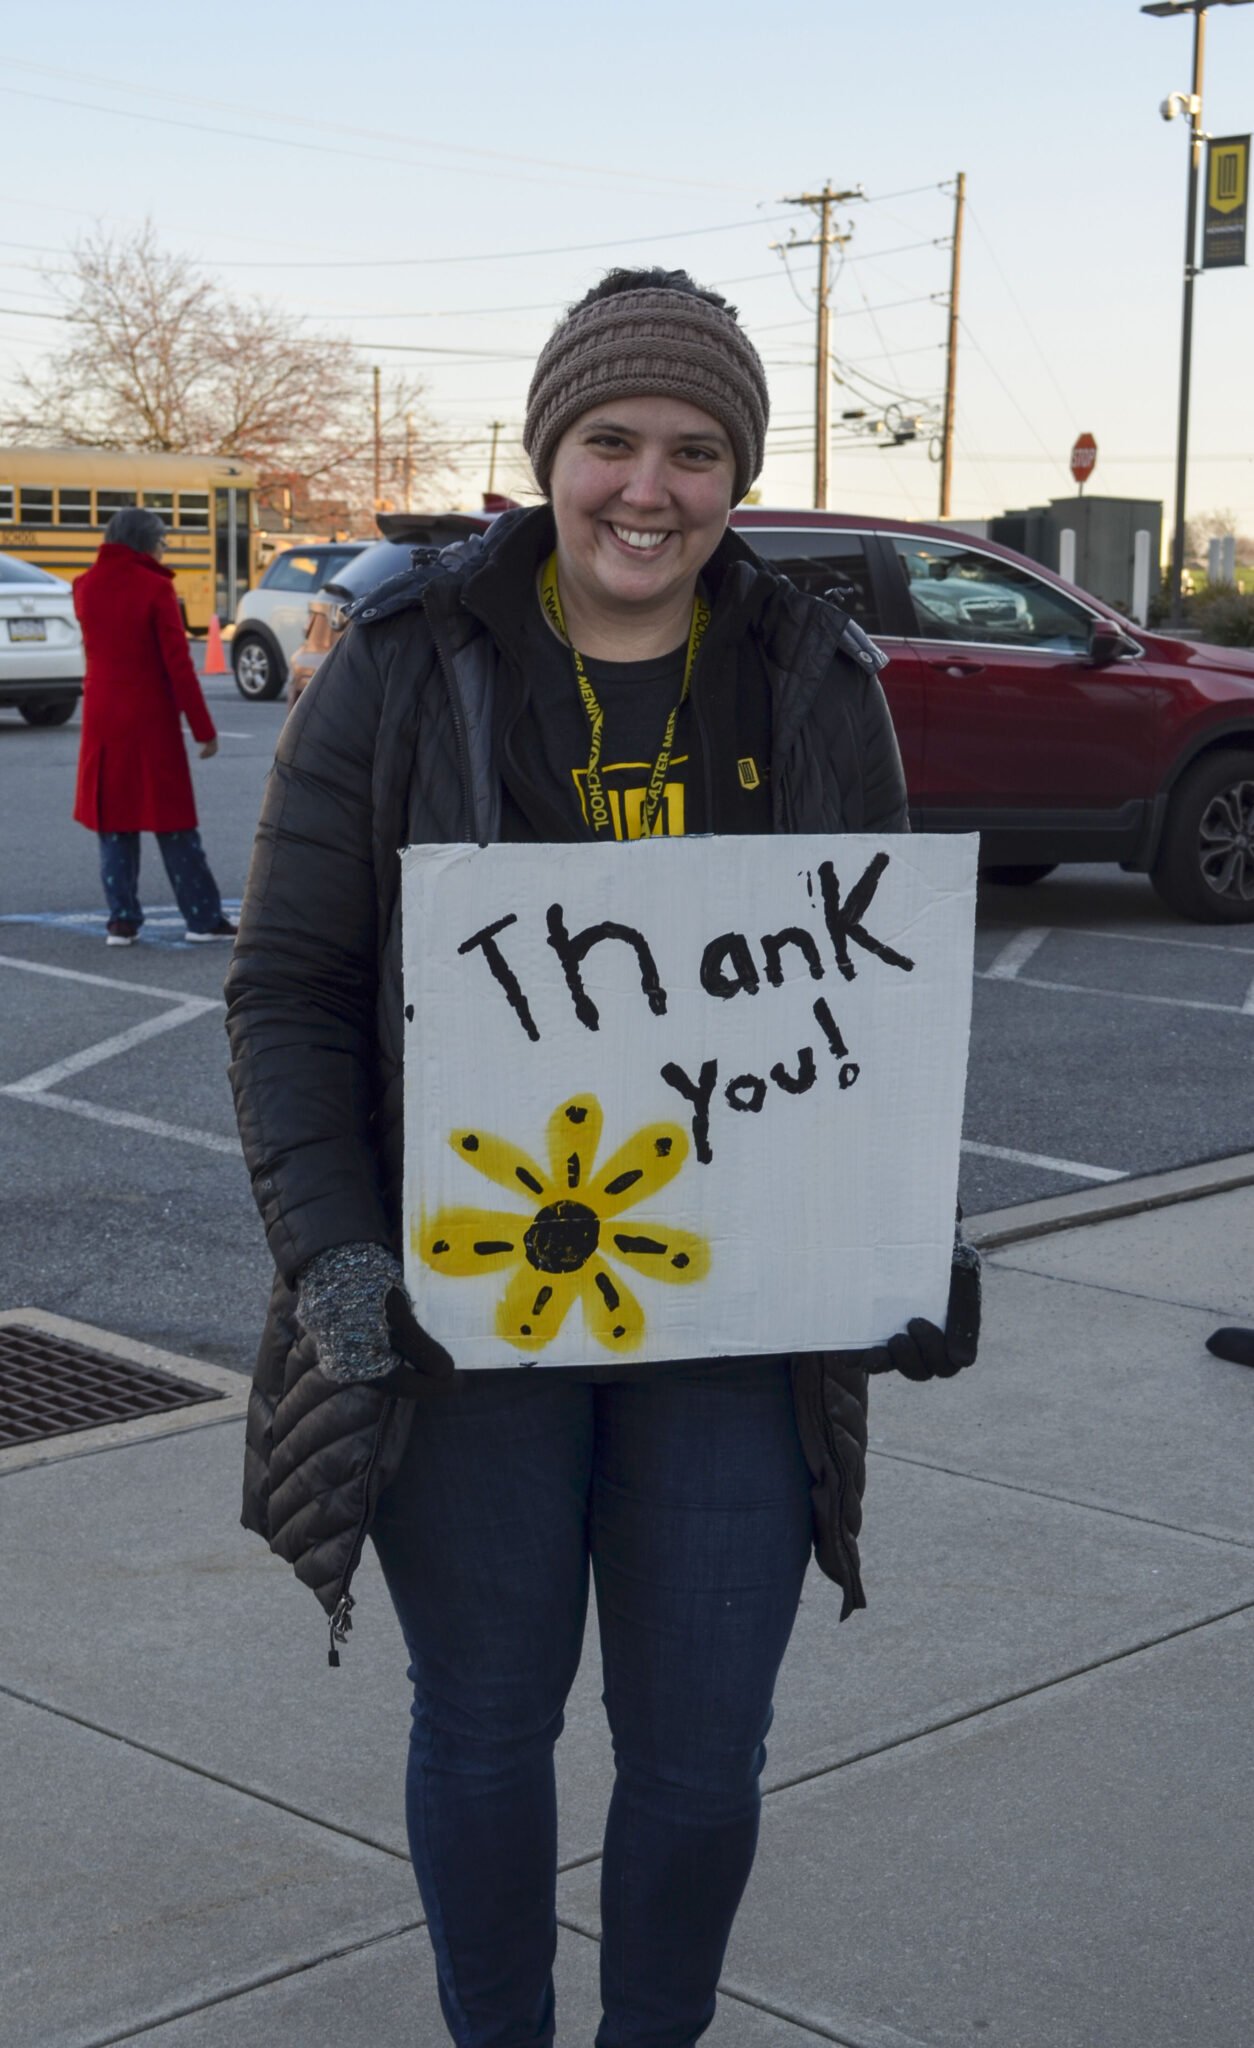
[1025, 709]
[1038, 716]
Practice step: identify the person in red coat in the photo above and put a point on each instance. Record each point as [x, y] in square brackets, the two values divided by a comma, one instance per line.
[133, 775]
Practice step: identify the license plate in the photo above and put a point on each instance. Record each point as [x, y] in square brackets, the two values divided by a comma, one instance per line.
[28, 629]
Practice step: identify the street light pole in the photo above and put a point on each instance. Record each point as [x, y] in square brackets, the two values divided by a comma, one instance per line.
[1186, 335]
[1198, 9]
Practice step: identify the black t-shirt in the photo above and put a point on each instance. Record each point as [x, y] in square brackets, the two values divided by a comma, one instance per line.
[545, 765]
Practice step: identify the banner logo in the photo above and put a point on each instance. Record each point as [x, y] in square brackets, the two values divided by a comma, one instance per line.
[1227, 202]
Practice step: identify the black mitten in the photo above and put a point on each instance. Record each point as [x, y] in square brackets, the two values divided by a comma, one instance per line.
[921, 1351]
[423, 1357]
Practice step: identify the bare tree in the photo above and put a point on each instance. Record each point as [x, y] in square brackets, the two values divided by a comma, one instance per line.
[124, 379]
[161, 358]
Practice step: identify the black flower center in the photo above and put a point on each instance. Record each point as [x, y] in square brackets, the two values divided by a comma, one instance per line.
[562, 1238]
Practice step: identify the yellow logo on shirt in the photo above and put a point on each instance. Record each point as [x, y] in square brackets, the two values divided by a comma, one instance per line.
[626, 787]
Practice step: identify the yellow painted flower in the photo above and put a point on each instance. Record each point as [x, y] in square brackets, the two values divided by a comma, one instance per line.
[569, 1243]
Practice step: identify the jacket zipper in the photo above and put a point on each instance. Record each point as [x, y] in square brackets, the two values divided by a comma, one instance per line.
[459, 728]
[341, 1621]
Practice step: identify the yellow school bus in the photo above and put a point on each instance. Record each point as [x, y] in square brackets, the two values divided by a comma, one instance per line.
[55, 504]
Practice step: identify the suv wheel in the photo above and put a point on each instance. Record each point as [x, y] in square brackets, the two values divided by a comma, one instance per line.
[58, 712]
[1018, 875]
[257, 673]
[1205, 865]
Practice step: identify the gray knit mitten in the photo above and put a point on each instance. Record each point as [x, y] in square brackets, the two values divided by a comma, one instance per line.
[352, 1301]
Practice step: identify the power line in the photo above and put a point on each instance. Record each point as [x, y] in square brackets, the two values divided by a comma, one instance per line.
[509, 255]
[1047, 450]
[1049, 368]
[910, 192]
[376, 263]
[499, 156]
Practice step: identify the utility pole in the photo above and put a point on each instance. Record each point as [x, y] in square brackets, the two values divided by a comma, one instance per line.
[378, 442]
[824, 241]
[951, 356]
[1193, 106]
[497, 426]
[409, 461]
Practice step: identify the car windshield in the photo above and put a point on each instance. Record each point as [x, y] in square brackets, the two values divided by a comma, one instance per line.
[13, 571]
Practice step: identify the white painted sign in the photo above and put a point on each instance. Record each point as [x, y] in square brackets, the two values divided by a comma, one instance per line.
[683, 1098]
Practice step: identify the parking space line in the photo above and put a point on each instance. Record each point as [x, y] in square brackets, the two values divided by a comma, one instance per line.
[138, 988]
[38, 1087]
[1081, 931]
[109, 1048]
[1068, 1166]
[127, 1120]
[1016, 953]
[163, 925]
[1121, 995]
[1248, 1005]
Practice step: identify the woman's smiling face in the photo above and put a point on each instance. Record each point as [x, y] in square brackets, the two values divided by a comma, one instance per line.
[641, 490]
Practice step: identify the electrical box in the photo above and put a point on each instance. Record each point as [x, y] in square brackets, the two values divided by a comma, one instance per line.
[1105, 532]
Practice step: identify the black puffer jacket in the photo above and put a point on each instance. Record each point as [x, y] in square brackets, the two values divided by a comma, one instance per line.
[391, 745]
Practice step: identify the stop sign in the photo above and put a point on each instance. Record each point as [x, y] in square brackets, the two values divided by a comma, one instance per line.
[1083, 458]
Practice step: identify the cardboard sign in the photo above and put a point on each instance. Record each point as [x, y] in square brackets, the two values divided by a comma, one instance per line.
[683, 1098]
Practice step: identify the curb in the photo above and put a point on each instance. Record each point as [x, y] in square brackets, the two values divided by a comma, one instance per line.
[1104, 1204]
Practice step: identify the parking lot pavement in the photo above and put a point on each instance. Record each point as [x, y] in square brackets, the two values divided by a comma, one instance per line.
[127, 1201]
[1110, 1039]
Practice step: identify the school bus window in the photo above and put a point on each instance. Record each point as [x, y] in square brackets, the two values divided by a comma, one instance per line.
[6, 502]
[194, 509]
[75, 508]
[161, 502]
[36, 506]
[109, 502]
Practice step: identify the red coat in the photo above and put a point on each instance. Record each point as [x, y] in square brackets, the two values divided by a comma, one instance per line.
[132, 761]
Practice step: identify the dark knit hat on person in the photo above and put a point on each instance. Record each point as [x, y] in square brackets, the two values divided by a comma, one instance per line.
[652, 343]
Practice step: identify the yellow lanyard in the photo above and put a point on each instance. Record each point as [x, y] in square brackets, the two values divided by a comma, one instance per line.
[598, 809]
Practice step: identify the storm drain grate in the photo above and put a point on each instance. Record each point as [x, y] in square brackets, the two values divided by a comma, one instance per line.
[50, 1386]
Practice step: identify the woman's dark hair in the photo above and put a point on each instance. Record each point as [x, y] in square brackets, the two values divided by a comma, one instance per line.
[135, 527]
[654, 279]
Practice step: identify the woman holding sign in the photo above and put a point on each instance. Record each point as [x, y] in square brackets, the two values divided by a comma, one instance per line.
[613, 663]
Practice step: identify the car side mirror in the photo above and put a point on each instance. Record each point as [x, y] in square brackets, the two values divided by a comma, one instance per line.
[1106, 643]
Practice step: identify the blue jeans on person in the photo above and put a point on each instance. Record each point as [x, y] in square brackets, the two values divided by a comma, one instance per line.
[688, 1497]
[191, 879]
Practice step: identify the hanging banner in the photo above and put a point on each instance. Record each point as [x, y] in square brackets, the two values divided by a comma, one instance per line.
[1227, 202]
[683, 1098]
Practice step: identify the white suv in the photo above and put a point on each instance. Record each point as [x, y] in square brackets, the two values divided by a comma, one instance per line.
[270, 620]
[41, 647]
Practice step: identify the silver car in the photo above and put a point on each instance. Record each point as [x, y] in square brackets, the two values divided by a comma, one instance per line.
[270, 620]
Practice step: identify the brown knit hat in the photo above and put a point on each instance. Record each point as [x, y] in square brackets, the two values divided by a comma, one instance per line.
[653, 343]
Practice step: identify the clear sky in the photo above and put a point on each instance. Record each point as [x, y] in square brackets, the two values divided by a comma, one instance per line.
[389, 172]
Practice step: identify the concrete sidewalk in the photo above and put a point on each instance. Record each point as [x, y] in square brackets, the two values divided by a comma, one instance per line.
[1012, 1804]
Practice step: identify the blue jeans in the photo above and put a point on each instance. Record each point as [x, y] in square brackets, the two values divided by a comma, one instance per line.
[689, 1496]
[195, 890]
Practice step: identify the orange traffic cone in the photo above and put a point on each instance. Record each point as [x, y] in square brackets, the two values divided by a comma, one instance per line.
[215, 653]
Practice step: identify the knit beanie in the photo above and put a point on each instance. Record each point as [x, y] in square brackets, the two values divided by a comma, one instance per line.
[653, 343]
